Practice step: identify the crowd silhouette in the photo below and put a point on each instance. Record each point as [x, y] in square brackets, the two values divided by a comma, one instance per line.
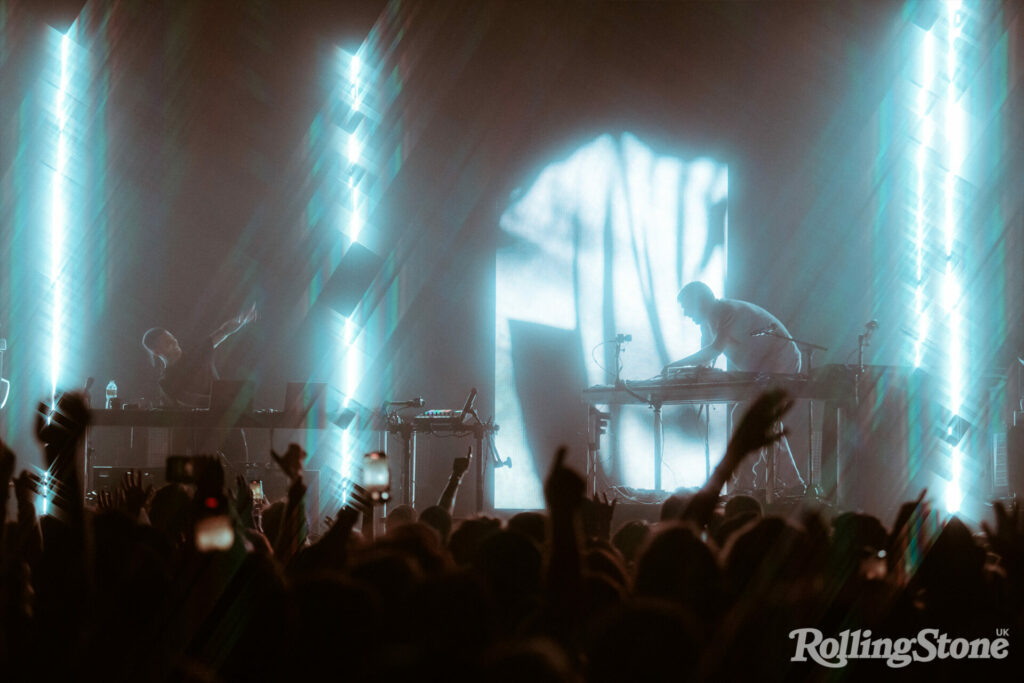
[136, 588]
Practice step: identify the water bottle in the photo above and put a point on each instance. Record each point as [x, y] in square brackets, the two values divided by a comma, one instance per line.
[111, 394]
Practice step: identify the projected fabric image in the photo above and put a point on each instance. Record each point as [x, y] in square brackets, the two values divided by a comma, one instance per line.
[599, 245]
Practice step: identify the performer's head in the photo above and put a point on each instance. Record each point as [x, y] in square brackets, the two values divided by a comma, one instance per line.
[162, 346]
[696, 299]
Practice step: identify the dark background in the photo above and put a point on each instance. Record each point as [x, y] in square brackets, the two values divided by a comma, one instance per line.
[210, 185]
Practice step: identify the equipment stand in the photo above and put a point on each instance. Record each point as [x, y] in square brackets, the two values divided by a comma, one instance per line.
[481, 465]
[807, 349]
[394, 424]
[659, 444]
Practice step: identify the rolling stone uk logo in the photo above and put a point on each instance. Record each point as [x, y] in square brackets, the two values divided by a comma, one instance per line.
[928, 646]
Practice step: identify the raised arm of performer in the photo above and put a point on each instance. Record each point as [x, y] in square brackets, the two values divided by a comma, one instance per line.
[186, 376]
[231, 326]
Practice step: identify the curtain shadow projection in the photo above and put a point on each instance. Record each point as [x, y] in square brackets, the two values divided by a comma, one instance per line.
[599, 244]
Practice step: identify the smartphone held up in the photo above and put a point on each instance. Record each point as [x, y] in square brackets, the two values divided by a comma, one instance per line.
[376, 476]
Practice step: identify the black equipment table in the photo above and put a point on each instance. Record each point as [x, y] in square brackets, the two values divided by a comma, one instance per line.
[453, 425]
[198, 423]
[200, 419]
[709, 386]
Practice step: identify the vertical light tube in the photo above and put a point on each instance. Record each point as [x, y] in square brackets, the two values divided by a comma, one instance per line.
[351, 373]
[58, 225]
[355, 67]
[350, 359]
[354, 147]
[952, 295]
[938, 283]
[925, 111]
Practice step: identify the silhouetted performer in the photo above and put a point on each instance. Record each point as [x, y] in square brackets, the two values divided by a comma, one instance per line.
[186, 377]
[727, 326]
[186, 380]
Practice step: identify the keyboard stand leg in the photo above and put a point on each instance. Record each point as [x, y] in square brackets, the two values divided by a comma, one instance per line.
[659, 444]
[481, 470]
[707, 441]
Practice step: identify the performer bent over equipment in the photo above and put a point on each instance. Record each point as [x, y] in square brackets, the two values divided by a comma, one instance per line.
[728, 326]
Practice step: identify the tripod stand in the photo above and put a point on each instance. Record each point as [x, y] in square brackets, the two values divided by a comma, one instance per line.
[807, 350]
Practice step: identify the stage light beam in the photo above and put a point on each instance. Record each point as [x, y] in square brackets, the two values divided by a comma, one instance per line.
[354, 149]
[350, 333]
[924, 108]
[59, 224]
[355, 68]
[937, 254]
[952, 291]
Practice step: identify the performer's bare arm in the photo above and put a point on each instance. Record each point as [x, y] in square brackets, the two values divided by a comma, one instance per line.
[703, 358]
[233, 325]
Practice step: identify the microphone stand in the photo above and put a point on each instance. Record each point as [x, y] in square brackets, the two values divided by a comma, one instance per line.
[659, 443]
[483, 433]
[863, 341]
[5, 386]
[807, 349]
[1019, 410]
[619, 341]
[391, 422]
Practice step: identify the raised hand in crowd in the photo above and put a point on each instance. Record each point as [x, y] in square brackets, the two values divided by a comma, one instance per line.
[245, 504]
[25, 487]
[62, 426]
[906, 511]
[294, 528]
[106, 501]
[28, 541]
[291, 462]
[564, 492]
[459, 468]
[331, 551]
[757, 429]
[461, 465]
[1007, 539]
[346, 520]
[564, 487]
[60, 430]
[910, 514]
[599, 514]
[362, 502]
[134, 496]
[296, 492]
[7, 464]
